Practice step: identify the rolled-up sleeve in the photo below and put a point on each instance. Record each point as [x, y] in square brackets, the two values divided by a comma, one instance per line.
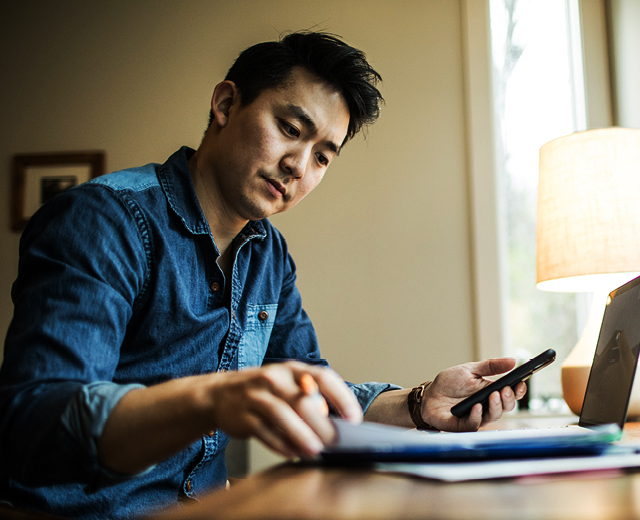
[83, 264]
[83, 421]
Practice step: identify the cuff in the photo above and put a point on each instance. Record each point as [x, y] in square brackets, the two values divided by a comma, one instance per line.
[366, 392]
[83, 421]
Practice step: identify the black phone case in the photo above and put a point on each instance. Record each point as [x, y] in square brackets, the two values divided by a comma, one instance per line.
[521, 373]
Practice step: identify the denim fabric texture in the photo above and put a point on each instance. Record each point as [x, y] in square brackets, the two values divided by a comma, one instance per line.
[118, 288]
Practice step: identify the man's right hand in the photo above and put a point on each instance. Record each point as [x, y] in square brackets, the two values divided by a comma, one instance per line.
[271, 403]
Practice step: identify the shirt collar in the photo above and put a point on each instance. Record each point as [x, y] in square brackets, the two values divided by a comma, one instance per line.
[176, 183]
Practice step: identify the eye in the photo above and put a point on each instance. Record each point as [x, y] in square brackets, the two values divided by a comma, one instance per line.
[289, 129]
[322, 159]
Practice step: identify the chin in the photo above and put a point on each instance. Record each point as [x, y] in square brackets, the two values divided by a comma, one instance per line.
[260, 213]
[258, 208]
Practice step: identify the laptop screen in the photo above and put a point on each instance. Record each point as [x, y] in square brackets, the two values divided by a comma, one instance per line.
[614, 365]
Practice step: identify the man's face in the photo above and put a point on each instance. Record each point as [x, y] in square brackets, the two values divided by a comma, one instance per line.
[275, 150]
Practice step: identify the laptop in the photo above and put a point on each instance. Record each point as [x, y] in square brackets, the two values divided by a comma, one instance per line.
[602, 418]
[614, 364]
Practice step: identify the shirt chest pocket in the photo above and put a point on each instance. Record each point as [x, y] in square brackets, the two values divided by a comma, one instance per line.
[255, 338]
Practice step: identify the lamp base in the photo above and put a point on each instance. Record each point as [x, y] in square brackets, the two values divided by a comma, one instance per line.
[633, 412]
[577, 365]
[574, 385]
[576, 368]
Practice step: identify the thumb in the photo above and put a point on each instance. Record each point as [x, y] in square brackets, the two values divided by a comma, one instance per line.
[491, 367]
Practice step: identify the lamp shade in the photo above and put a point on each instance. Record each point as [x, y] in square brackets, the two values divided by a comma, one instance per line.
[588, 221]
[588, 231]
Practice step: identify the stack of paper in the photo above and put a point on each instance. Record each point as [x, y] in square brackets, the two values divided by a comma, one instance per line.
[483, 454]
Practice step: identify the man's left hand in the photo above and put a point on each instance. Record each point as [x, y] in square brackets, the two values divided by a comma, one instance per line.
[457, 383]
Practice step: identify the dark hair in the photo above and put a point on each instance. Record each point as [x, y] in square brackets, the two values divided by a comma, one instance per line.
[269, 65]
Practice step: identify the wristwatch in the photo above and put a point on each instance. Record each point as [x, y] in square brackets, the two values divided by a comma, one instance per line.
[414, 400]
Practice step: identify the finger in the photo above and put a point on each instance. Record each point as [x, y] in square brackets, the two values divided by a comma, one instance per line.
[491, 367]
[520, 390]
[283, 379]
[292, 383]
[288, 425]
[331, 386]
[493, 409]
[508, 399]
[255, 426]
[474, 420]
[267, 436]
[338, 393]
[314, 409]
[293, 379]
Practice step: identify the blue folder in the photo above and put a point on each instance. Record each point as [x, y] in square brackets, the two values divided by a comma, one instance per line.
[370, 442]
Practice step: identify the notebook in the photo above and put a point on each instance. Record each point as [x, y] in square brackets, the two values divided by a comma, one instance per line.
[601, 421]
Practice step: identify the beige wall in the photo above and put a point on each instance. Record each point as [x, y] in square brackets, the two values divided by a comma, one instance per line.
[382, 246]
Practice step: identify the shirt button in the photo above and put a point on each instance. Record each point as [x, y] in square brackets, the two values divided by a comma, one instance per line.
[263, 315]
[188, 486]
[215, 286]
[211, 433]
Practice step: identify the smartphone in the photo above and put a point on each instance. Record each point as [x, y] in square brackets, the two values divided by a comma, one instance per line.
[521, 373]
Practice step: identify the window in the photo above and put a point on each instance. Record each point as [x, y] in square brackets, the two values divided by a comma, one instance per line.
[530, 77]
[538, 96]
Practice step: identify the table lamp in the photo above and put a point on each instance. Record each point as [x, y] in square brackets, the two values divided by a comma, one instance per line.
[588, 231]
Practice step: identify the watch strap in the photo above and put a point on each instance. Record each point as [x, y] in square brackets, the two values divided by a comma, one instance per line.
[414, 401]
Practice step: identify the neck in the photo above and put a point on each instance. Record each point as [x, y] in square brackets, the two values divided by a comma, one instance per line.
[224, 228]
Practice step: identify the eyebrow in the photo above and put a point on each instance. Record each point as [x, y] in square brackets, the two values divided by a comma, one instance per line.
[301, 114]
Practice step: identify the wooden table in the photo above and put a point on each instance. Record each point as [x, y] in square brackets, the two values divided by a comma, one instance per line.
[294, 492]
[314, 492]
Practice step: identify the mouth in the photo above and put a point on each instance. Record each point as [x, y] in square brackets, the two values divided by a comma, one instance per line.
[276, 188]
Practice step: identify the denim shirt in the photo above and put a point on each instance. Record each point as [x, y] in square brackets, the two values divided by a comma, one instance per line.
[118, 288]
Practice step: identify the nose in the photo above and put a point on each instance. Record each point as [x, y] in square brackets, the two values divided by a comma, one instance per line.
[294, 163]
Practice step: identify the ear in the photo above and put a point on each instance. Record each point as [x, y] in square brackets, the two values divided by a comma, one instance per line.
[225, 95]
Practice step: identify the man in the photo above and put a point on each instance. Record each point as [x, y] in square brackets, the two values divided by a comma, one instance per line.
[147, 299]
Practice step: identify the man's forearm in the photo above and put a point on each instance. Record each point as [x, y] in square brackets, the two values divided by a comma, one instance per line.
[150, 424]
[390, 408]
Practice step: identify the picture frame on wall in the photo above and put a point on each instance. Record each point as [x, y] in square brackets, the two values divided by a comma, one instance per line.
[40, 176]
